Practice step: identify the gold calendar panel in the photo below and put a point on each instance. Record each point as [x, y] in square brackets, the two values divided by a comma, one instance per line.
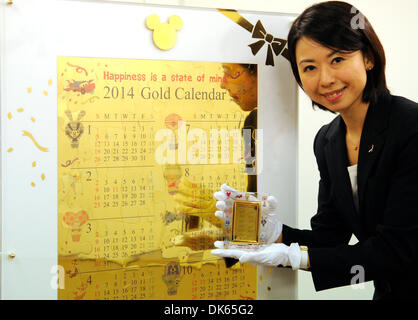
[158, 282]
[138, 163]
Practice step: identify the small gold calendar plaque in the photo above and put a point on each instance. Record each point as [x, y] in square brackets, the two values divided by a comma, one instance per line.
[246, 222]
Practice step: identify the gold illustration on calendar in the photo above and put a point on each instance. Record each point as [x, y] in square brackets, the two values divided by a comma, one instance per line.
[142, 147]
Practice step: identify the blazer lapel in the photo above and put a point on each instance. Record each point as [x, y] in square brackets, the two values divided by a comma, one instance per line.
[371, 143]
[337, 160]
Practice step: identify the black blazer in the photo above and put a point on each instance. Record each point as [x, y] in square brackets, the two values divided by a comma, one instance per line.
[387, 222]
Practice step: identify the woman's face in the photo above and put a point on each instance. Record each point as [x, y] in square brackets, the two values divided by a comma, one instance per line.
[241, 85]
[333, 79]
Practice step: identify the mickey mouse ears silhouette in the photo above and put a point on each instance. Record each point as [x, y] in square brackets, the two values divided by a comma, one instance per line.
[164, 34]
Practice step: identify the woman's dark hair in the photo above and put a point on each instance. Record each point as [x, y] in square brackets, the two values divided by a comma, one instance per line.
[252, 68]
[340, 26]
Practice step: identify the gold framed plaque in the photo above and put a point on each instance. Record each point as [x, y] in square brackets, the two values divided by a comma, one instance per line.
[246, 222]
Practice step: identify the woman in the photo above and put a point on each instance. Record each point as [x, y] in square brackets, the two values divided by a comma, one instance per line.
[367, 158]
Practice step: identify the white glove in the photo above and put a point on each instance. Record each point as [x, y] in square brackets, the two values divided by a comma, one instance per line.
[271, 255]
[271, 227]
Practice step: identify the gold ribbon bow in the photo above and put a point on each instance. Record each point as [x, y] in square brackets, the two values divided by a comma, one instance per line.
[276, 45]
[273, 44]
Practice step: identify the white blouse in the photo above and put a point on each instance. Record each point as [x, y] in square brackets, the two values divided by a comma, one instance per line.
[352, 171]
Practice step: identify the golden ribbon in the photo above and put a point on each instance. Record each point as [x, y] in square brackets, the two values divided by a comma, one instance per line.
[276, 45]
[28, 134]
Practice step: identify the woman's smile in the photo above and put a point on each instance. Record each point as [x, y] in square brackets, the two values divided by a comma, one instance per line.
[334, 95]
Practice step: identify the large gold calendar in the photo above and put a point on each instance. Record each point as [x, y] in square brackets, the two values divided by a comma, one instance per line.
[142, 147]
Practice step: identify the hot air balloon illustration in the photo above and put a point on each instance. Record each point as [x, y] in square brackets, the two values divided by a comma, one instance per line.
[172, 174]
[75, 220]
[171, 122]
[172, 277]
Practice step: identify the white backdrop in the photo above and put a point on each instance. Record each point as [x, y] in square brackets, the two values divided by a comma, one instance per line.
[33, 34]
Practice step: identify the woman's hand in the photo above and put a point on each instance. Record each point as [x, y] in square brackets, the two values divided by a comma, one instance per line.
[272, 255]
